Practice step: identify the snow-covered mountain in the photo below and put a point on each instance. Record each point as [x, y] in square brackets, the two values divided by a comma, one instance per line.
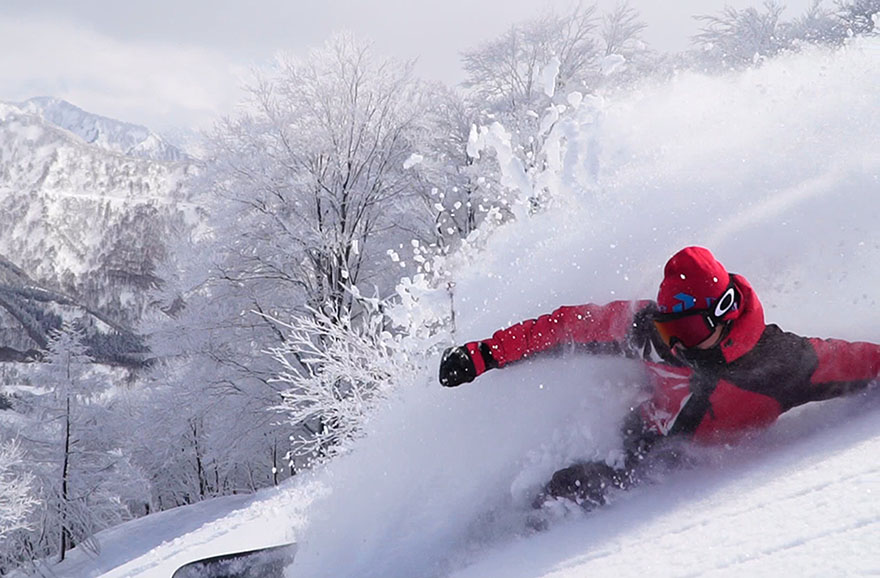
[81, 216]
[776, 169]
[113, 135]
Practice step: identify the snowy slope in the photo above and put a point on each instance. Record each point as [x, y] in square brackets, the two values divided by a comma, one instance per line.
[159, 544]
[778, 171]
[797, 502]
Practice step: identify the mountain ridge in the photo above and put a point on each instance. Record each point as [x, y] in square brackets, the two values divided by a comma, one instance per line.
[114, 135]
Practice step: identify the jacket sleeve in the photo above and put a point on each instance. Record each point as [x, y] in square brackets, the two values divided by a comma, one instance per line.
[600, 328]
[842, 367]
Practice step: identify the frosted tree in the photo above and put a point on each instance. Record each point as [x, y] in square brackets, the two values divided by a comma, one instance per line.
[524, 78]
[17, 497]
[621, 36]
[18, 504]
[622, 31]
[739, 38]
[205, 433]
[455, 190]
[311, 177]
[309, 186]
[349, 367]
[858, 17]
[66, 361]
[86, 481]
[513, 79]
[818, 25]
[202, 411]
[507, 73]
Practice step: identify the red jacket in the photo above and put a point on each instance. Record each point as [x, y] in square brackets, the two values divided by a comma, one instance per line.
[765, 371]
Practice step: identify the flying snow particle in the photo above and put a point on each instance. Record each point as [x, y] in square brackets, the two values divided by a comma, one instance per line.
[412, 161]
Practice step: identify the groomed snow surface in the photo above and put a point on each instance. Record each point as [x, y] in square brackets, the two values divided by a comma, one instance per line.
[777, 170]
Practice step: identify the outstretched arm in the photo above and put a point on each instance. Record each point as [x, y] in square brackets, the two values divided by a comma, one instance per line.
[843, 367]
[599, 328]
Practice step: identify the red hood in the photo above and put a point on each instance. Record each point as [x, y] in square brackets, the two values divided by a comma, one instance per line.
[746, 329]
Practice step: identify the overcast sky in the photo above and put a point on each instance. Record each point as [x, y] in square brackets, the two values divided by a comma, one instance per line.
[170, 63]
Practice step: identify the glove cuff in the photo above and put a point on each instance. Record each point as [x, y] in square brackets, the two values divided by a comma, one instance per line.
[481, 355]
[476, 356]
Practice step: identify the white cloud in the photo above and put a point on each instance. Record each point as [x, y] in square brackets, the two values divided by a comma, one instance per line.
[178, 62]
[157, 84]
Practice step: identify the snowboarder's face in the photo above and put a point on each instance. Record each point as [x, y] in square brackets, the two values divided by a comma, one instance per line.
[704, 355]
[712, 341]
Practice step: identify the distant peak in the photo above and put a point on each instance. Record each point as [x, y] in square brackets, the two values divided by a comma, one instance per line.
[108, 133]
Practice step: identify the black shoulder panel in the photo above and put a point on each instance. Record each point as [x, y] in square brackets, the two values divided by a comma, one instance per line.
[780, 366]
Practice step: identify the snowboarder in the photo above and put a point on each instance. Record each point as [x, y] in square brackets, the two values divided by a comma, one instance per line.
[715, 369]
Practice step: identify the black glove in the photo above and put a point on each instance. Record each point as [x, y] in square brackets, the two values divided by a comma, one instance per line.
[457, 366]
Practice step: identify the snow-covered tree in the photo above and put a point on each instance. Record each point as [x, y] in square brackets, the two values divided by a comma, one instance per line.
[85, 479]
[311, 178]
[858, 17]
[622, 31]
[310, 185]
[453, 187]
[514, 77]
[738, 38]
[524, 77]
[17, 499]
[508, 74]
[349, 367]
[201, 413]
[818, 25]
[627, 57]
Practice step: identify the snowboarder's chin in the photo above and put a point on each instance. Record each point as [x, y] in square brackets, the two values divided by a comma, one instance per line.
[700, 358]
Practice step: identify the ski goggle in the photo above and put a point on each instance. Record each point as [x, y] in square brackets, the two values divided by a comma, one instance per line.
[690, 328]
